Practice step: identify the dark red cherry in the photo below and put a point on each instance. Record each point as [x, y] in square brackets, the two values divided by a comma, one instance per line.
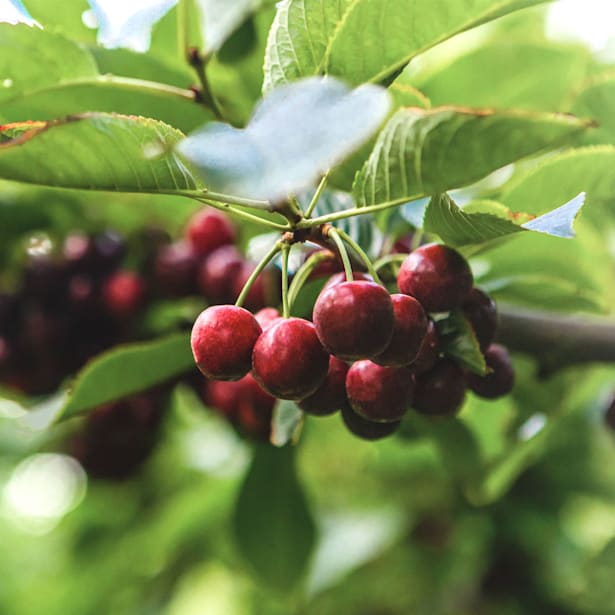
[255, 410]
[263, 291]
[109, 250]
[331, 395]
[428, 352]
[123, 293]
[175, 269]
[367, 430]
[440, 391]
[354, 320]
[267, 316]
[339, 278]
[209, 229]
[381, 394]
[218, 272]
[223, 337]
[438, 276]
[289, 361]
[223, 397]
[479, 308]
[409, 331]
[501, 377]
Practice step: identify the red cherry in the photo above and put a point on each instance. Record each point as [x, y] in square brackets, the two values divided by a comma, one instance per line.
[261, 292]
[354, 320]
[218, 272]
[428, 352]
[501, 377]
[409, 331]
[339, 278]
[381, 394]
[288, 360]
[123, 293]
[440, 391]
[331, 395]
[266, 317]
[438, 276]
[209, 229]
[367, 430]
[479, 308]
[255, 410]
[223, 396]
[175, 269]
[223, 337]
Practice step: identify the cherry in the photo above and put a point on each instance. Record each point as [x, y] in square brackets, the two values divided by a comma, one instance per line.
[331, 395]
[440, 391]
[367, 430]
[255, 409]
[288, 360]
[429, 351]
[409, 331]
[218, 272]
[222, 340]
[223, 396]
[43, 278]
[266, 317]
[109, 249]
[260, 292]
[479, 308]
[339, 278]
[381, 394]
[438, 276]
[82, 292]
[501, 377]
[209, 229]
[354, 320]
[123, 293]
[175, 270]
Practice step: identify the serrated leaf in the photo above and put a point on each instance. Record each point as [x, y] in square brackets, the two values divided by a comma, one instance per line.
[506, 74]
[95, 151]
[286, 423]
[424, 152]
[459, 342]
[128, 369]
[345, 38]
[273, 526]
[296, 133]
[596, 100]
[459, 227]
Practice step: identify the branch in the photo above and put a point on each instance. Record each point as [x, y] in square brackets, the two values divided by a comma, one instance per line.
[556, 340]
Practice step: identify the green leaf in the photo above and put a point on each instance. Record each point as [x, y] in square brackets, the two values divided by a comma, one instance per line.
[94, 151]
[273, 525]
[296, 133]
[286, 423]
[422, 153]
[345, 38]
[596, 100]
[128, 369]
[513, 74]
[459, 342]
[458, 227]
[65, 16]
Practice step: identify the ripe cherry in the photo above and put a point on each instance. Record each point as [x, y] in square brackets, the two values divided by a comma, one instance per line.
[209, 229]
[223, 396]
[438, 276]
[440, 391]
[354, 320]
[218, 272]
[381, 394]
[428, 352]
[409, 331]
[261, 292]
[339, 278]
[331, 395]
[109, 249]
[367, 430]
[479, 308]
[223, 337]
[123, 293]
[255, 409]
[175, 269]
[266, 317]
[289, 361]
[501, 377]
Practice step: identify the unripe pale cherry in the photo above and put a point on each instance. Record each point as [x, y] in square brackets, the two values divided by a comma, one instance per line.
[223, 337]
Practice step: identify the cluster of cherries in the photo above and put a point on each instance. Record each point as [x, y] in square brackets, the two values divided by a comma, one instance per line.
[371, 354]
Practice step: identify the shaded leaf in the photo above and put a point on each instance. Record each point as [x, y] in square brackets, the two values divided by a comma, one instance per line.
[273, 526]
[422, 153]
[296, 133]
[94, 151]
[345, 38]
[596, 100]
[459, 341]
[65, 16]
[128, 369]
[286, 423]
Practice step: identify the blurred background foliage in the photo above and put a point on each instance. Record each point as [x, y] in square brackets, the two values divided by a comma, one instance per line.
[509, 509]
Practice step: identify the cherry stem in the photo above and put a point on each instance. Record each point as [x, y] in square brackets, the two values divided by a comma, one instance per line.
[259, 268]
[362, 255]
[341, 248]
[304, 272]
[285, 302]
[244, 214]
[389, 259]
[321, 186]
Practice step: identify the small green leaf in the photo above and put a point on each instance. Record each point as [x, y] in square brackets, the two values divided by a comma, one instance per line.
[274, 528]
[95, 151]
[424, 152]
[128, 369]
[297, 133]
[459, 341]
[345, 38]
